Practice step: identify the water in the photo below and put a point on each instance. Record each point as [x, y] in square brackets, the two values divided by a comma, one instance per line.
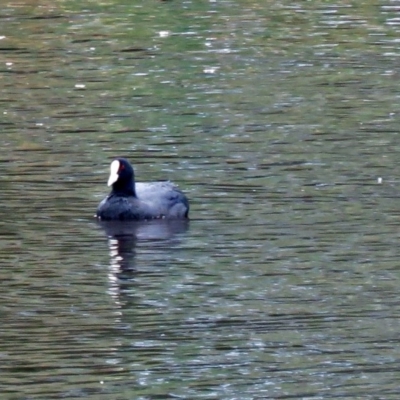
[280, 123]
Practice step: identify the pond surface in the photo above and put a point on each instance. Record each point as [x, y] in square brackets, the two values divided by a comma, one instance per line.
[279, 120]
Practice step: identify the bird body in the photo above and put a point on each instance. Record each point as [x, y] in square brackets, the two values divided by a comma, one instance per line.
[140, 201]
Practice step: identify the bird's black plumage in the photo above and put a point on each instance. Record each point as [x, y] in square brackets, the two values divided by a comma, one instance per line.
[140, 201]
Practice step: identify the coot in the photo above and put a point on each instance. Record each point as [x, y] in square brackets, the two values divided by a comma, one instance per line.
[140, 201]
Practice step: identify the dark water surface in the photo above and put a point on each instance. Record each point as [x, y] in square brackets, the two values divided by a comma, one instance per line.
[280, 122]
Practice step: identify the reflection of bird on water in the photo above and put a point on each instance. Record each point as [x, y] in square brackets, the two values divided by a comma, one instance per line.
[124, 236]
[140, 201]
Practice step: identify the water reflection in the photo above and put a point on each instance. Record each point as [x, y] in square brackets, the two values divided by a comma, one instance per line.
[124, 237]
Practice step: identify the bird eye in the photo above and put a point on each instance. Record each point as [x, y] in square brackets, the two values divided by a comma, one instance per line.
[121, 167]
